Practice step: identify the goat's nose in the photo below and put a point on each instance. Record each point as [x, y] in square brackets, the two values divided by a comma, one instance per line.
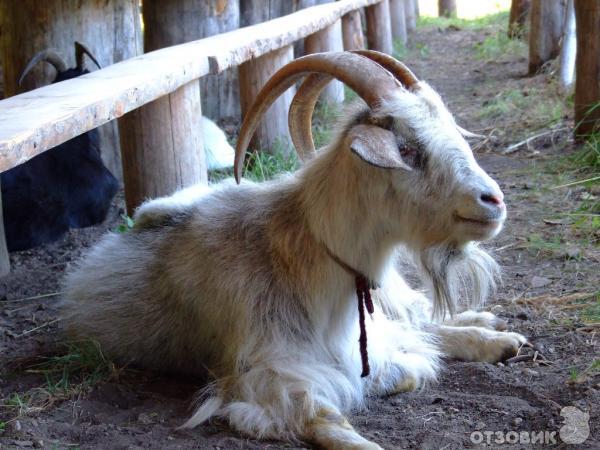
[492, 200]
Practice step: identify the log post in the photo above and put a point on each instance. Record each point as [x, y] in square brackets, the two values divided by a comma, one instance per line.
[329, 39]
[189, 20]
[398, 20]
[547, 18]
[352, 32]
[587, 67]
[162, 146]
[568, 48]
[518, 17]
[253, 75]
[4, 258]
[411, 12]
[111, 30]
[447, 8]
[379, 28]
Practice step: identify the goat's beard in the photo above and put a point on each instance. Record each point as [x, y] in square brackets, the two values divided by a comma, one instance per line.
[458, 277]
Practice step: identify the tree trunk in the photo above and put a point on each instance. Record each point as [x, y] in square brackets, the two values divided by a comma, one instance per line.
[587, 78]
[568, 48]
[547, 18]
[518, 17]
[329, 39]
[253, 76]
[398, 20]
[352, 31]
[258, 11]
[411, 8]
[447, 8]
[379, 27]
[111, 30]
[197, 19]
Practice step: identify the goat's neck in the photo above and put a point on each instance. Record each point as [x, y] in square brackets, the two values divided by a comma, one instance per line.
[340, 213]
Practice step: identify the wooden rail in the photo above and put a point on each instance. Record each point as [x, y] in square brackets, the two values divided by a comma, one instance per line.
[37, 120]
[161, 141]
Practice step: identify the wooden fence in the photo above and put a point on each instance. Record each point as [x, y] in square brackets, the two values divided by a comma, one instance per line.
[156, 98]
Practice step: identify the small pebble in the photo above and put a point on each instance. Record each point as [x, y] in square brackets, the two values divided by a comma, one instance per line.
[17, 425]
[528, 371]
[517, 421]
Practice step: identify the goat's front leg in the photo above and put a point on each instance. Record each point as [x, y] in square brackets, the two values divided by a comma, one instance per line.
[330, 429]
[473, 343]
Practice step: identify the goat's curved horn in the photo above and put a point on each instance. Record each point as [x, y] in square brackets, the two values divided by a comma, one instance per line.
[50, 56]
[365, 77]
[80, 51]
[402, 73]
[303, 104]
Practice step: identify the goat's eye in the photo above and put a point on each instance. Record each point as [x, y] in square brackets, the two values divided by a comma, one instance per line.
[411, 156]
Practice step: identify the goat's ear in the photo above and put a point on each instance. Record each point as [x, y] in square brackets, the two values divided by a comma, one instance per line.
[376, 146]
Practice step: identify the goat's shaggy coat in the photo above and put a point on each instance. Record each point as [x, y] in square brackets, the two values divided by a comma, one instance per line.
[235, 282]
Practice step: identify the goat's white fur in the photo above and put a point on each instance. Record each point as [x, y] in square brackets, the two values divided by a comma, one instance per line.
[233, 281]
[219, 153]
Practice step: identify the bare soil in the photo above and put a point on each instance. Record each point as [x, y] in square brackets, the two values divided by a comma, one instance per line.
[549, 266]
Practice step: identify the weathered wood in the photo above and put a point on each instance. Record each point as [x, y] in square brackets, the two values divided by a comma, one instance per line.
[162, 146]
[411, 12]
[568, 48]
[253, 75]
[111, 30]
[587, 78]
[189, 20]
[398, 20]
[35, 121]
[447, 8]
[379, 27]
[352, 32]
[161, 143]
[329, 39]
[519, 9]
[547, 17]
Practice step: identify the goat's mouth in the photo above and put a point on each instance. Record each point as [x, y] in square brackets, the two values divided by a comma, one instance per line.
[480, 224]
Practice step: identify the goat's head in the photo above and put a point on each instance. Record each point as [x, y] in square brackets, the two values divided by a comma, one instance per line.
[63, 72]
[444, 196]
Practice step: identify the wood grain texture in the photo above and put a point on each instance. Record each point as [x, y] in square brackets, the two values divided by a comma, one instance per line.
[398, 20]
[162, 146]
[379, 27]
[253, 75]
[189, 20]
[352, 31]
[329, 39]
[32, 122]
[587, 66]
[111, 30]
[545, 32]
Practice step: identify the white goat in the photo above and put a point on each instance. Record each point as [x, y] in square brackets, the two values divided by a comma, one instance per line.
[256, 285]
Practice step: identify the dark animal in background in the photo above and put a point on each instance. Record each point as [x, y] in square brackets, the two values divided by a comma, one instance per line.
[65, 187]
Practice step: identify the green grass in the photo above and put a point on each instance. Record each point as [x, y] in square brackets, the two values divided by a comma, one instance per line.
[481, 23]
[498, 44]
[543, 246]
[532, 108]
[80, 366]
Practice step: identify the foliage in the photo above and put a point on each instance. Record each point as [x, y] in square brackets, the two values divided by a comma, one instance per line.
[127, 224]
[498, 20]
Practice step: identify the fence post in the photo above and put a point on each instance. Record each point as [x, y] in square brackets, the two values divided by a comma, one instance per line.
[352, 31]
[379, 29]
[253, 76]
[161, 142]
[329, 39]
[398, 20]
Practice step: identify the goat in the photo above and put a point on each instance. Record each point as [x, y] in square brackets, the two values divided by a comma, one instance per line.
[65, 187]
[255, 286]
[219, 154]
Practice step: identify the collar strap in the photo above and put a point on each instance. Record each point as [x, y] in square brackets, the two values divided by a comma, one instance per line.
[363, 294]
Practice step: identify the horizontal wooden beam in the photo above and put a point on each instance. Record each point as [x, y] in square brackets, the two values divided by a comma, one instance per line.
[35, 121]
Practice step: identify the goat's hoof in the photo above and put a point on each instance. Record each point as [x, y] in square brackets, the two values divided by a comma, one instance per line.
[503, 346]
[407, 384]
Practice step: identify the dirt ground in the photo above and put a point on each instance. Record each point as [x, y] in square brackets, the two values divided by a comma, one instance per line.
[551, 271]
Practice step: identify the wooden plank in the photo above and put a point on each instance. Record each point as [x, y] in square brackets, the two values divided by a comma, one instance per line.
[35, 121]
